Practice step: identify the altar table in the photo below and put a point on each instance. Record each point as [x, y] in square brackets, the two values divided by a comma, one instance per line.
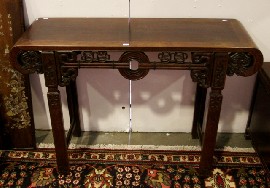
[209, 48]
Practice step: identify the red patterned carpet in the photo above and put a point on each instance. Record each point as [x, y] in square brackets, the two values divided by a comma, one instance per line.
[130, 168]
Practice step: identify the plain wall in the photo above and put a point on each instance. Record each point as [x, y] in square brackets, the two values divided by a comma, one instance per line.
[163, 100]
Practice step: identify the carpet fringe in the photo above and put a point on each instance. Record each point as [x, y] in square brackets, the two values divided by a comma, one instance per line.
[146, 147]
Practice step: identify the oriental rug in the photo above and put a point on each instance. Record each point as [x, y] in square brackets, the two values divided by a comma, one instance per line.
[131, 168]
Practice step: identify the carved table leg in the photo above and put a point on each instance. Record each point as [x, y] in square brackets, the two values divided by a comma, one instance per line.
[55, 108]
[210, 133]
[199, 108]
[59, 136]
[214, 109]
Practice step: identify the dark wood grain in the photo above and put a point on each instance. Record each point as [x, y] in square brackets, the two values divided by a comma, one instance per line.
[78, 33]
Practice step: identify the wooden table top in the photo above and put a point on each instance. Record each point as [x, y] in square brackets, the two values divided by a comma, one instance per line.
[145, 34]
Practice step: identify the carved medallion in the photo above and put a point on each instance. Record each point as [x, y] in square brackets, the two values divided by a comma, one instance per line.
[130, 74]
[239, 63]
[31, 61]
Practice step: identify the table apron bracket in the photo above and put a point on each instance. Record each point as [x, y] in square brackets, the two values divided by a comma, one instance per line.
[70, 61]
[199, 63]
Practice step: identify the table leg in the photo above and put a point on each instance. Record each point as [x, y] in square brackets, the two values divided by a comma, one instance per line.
[210, 133]
[55, 108]
[209, 136]
[72, 99]
[247, 130]
[199, 108]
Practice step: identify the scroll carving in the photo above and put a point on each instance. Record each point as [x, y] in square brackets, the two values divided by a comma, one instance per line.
[83, 57]
[69, 62]
[66, 73]
[31, 61]
[90, 56]
[239, 63]
[172, 57]
[202, 76]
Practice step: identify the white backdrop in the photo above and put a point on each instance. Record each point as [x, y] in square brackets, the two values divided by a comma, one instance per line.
[162, 101]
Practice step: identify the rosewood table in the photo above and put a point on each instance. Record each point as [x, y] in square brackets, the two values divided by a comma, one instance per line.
[209, 48]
